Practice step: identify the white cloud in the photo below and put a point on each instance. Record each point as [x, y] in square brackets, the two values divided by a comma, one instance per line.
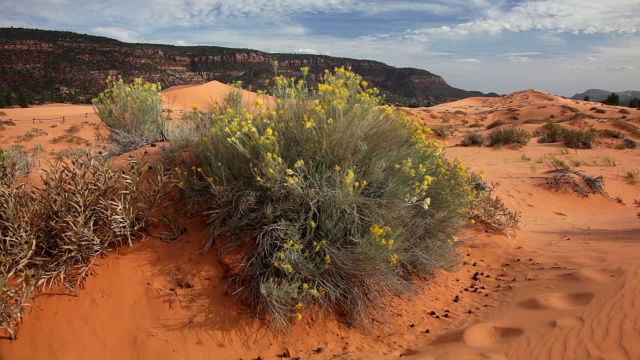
[556, 16]
[468, 60]
[306, 51]
[530, 53]
[521, 59]
[118, 33]
[617, 68]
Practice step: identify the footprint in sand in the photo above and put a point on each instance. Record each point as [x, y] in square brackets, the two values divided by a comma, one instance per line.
[481, 335]
[587, 274]
[558, 301]
[567, 322]
[486, 335]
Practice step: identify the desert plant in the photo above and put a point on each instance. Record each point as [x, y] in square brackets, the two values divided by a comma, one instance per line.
[495, 124]
[508, 135]
[624, 111]
[332, 202]
[632, 176]
[132, 112]
[489, 209]
[15, 162]
[74, 129]
[70, 139]
[579, 139]
[442, 131]
[552, 133]
[474, 139]
[627, 126]
[50, 235]
[607, 133]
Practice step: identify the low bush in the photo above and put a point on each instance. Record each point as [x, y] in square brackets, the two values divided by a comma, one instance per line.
[474, 139]
[575, 139]
[607, 133]
[552, 133]
[624, 111]
[627, 126]
[579, 139]
[132, 112]
[50, 235]
[15, 162]
[333, 202]
[495, 124]
[442, 131]
[508, 135]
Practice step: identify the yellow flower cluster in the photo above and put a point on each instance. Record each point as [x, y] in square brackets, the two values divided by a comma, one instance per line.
[379, 232]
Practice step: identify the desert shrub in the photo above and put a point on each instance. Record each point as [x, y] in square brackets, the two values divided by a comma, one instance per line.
[508, 135]
[575, 139]
[627, 126]
[442, 131]
[70, 139]
[579, 139]
[536, 121]
[474, 139]
[333, 202]
[624, 111]
[552, 133]
[30, 135]
[570, 108]
[51, 234]
[476, 124]
[632, 177]
[132, 112]
[600, 111]
[489, 209]
[566, 180]
[74, 129]
[630, 144]
[607, 133]
[495, 124]
[15, 162]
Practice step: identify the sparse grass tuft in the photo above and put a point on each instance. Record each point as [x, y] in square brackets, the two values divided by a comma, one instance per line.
[632, 176]
[70, 139]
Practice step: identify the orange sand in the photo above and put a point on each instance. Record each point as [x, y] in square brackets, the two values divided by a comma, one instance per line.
[566, 286]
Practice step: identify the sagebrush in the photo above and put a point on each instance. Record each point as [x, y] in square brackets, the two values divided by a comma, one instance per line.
[334, 202]
[132, 112]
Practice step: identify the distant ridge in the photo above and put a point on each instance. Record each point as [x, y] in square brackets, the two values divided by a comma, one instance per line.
[58, 66]
[599, 95]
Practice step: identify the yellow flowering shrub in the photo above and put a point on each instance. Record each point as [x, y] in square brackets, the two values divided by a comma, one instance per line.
[133, 112]
[336, 201]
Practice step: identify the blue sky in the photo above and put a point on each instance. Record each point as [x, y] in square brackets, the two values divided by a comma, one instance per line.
[558, 46]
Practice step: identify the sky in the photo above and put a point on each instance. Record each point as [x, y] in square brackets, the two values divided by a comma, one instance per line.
[558, 46]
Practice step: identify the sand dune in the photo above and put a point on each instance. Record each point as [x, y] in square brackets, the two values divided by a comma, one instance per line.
[565, 285]
[205, 96]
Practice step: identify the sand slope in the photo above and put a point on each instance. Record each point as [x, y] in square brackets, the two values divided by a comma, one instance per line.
[565, 286]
